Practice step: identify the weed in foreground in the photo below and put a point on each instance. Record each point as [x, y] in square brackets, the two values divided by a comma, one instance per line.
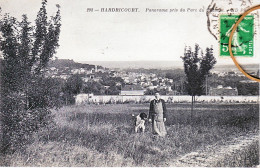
[107, 133]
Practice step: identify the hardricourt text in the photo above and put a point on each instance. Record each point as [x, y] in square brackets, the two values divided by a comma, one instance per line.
[119, 10]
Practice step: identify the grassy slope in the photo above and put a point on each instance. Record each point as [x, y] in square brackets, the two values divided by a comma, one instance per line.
[103, 135]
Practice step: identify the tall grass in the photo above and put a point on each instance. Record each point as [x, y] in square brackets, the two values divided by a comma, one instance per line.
[247, 157]
[103, 135]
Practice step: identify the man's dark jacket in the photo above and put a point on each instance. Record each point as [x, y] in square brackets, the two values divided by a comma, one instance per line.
[151, 110]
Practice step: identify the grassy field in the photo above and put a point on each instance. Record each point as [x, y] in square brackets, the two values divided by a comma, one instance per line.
[103, 135]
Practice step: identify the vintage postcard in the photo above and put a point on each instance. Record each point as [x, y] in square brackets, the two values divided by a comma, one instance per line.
[128, 83]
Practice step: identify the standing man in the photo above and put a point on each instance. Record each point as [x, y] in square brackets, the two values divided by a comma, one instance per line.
[157, 115]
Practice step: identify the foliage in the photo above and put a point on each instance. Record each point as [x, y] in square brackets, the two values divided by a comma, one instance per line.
[73, 84]
[248, 88]
[150, 91]
[175, 74]
[111, 81]
[196, 69]
[153, 91]
[26, 94]
[107, 85]
[19, 123]
[44, 92]
[62, 63]
[113, 90]
[94, 87]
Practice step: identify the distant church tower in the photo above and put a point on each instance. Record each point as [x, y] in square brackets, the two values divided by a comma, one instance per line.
[95, 68]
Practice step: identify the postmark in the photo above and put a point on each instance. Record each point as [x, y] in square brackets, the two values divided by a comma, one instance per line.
[243, 38]
[228, 7]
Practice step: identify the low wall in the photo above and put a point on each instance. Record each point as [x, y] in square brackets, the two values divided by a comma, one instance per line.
[103, 99]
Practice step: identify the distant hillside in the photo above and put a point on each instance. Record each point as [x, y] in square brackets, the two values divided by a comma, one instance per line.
[60, 63]
[166, 65]
[232, 67]
[138, 64]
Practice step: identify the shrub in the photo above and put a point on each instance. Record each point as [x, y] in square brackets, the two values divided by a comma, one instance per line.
[18, 123]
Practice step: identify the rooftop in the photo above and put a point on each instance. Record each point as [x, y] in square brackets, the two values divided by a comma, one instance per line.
[132, 87]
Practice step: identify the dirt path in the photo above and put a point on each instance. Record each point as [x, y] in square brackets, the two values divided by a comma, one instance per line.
[212, 154]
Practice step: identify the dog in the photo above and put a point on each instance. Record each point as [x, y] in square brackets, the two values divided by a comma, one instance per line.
[139, 122]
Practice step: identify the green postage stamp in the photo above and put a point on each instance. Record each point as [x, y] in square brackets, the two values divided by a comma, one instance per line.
[243, 38]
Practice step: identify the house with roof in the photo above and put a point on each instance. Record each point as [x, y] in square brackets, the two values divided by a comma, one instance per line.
[223, 91]
[132, 90]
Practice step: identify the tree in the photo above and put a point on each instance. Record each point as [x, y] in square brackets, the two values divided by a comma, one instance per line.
[94, 87]
[72, 87]
[149, 92]
[28, 47]
[113, 90]
[248, 88]
[196, 68]
[26, 51]
[74, 84]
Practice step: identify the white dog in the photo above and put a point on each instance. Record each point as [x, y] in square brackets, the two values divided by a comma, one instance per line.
[140, 121]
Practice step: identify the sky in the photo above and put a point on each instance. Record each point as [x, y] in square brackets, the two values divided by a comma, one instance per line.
[100, 36]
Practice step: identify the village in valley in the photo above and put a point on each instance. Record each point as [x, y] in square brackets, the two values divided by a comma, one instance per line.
[98, 80]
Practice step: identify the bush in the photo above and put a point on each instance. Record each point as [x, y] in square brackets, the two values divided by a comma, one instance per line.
[24, 112]
[18, 124]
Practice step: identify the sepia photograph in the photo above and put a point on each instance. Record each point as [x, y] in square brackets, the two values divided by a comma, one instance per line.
[129, 83]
